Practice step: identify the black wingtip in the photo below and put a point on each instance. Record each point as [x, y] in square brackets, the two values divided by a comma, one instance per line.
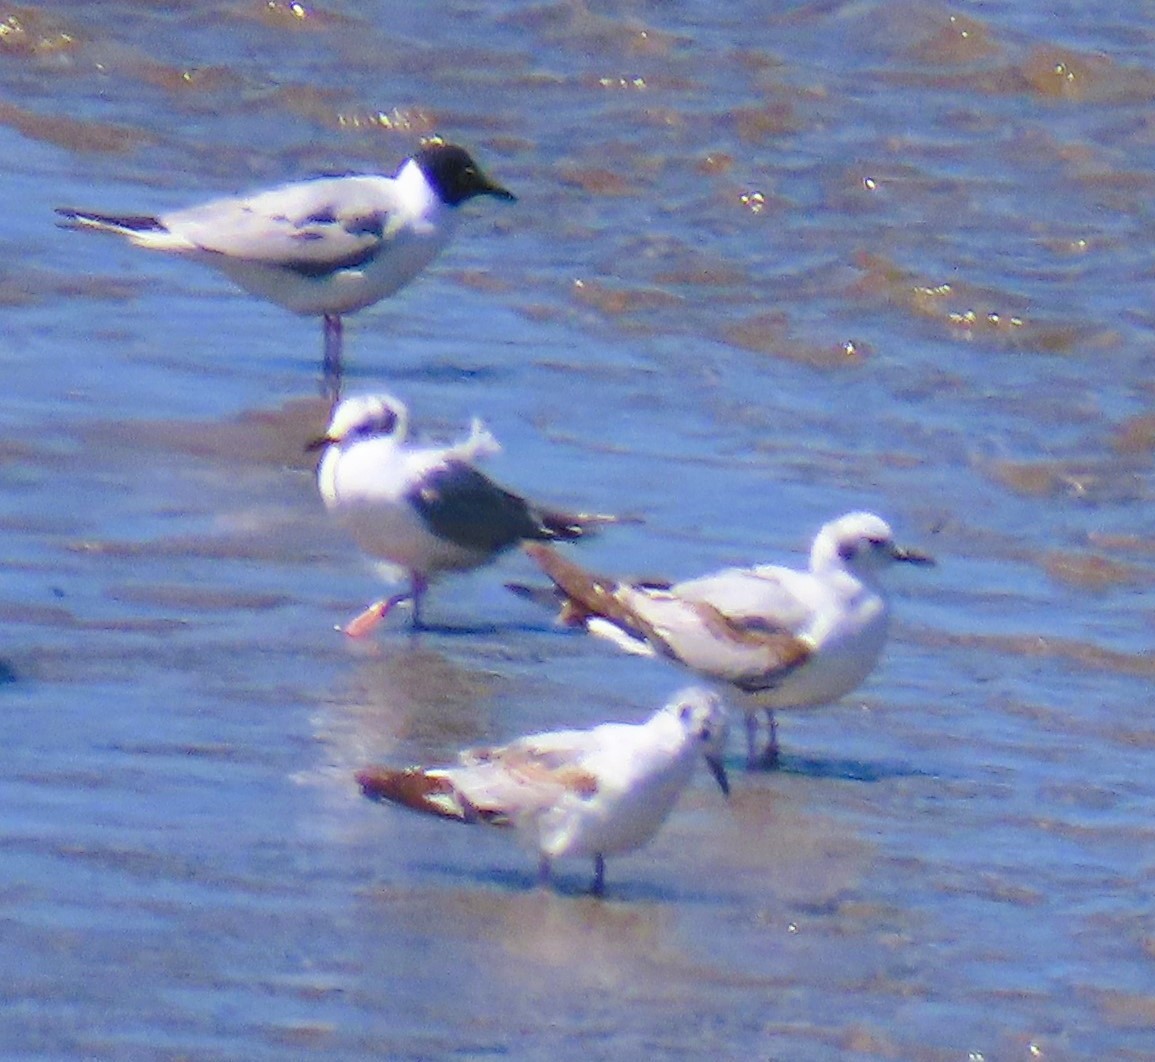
[565, 527]
[544, 596]
[130, 222]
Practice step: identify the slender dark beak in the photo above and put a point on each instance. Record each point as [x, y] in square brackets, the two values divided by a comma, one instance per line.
[912, 556]
[318, 443]
[497, 191]
[718, 770]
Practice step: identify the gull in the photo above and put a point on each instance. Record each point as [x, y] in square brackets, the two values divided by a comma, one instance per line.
[425, 509]
[786, 638]
[581, 793]
[321, 247]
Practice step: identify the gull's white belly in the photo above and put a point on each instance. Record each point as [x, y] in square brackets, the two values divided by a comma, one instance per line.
[395, 533]
[344, 290]
[841, 664]
[612, 822]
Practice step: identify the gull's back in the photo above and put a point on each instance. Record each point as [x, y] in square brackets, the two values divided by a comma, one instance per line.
[784, 597]
[290, 223]
[584, 793]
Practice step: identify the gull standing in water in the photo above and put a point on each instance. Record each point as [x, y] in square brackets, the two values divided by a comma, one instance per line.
[425, 509]
[322, 247]
[581, 793]
[787, 638]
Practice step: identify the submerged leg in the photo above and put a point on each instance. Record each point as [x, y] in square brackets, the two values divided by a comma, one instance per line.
[599, 885]
[331, 366]
[751, 740]
[418, 584]
[770, 754]
[772, 744]
[767, 759]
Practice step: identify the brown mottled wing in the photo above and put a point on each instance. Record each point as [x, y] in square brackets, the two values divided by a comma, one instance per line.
[496, 786]
[432, 792]
[585, 594]
[553, 759]
[750, 654]
[528, 775]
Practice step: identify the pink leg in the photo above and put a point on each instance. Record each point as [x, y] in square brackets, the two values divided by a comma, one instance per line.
[368, 620]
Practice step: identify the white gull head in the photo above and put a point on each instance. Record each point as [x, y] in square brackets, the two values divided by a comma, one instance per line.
[861, 543]
[366, 417]
[703, 719]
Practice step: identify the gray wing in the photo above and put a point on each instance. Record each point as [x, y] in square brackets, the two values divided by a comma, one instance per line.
[760, 595]
[497, 786]
[526, 776]
[319, 225]
[464, 506]
[752, 653]
[748, 651]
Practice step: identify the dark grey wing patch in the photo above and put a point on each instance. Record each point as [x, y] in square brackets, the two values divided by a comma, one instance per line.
[366, 225]
[324, 216]
[466, 507]
[316, 270]
[132, 222]
[325, 224]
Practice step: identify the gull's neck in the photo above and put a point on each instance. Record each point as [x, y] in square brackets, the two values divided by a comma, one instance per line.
[848, 581]
[418, 193]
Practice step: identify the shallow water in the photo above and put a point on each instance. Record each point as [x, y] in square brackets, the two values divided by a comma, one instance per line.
[769, 264]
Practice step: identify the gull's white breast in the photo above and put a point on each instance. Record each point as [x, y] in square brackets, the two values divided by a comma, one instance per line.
[365, 486]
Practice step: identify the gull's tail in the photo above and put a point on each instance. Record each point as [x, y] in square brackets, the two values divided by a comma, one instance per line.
[121, 224]
[480, 444]
[585, 595]
[419, 789]
[144, 230]
[557, 526]
[646, 617]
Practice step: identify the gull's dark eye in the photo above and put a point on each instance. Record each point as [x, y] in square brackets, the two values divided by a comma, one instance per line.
[705, 734]
[685, 712]
[384, 423]
[848, 551]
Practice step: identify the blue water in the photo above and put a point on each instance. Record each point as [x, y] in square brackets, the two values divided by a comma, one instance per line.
[768, 264]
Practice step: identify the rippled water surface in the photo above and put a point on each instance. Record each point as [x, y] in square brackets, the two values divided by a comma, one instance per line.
[770, 262]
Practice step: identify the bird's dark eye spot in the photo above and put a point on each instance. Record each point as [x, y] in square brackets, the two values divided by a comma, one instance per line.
[384, 424]
[705, 734]
[848, 551]
[685, 712]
